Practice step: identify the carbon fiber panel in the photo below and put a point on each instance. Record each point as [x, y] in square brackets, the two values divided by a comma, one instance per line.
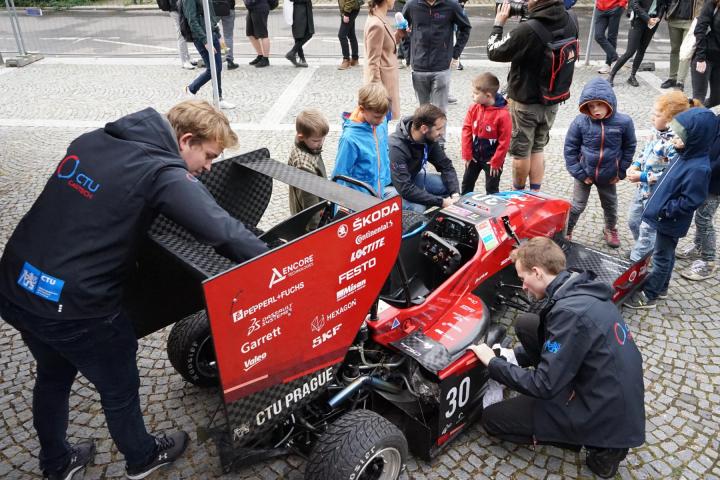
[428, 352]
[608, 268]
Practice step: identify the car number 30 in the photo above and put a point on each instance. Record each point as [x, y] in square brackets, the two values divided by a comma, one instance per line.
[457, 397]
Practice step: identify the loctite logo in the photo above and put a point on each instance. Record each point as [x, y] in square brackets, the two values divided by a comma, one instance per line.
[375, 216]
[354, 272]
[69, 169]
[369, 248]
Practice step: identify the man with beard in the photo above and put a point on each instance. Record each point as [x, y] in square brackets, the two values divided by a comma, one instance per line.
[413, 145]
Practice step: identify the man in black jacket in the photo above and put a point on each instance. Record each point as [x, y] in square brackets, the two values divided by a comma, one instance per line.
[413, 145]
[586, 387]
[531, 119]
[433, 53]
[63, 269]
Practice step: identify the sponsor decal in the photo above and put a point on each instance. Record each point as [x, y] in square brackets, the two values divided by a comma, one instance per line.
[410, 350]
[367, 249]
[251, 310]
[278, 275]
[395, 324]
[41, 284]
[240, 431]
[294, 397]
[317, 341]
[359, 269]
[339, 311]
[488, 238]
[318, 323]
[350, 289]
[254, 361]
[633, 275]
[248, 347]
[374, 217]
[552, 347]
[257, 323]
[364, 236]
[69, 169]
[622, 333]
[342, 231]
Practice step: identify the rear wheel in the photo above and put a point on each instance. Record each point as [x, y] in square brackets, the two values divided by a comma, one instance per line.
[360, 445]
[191, 351]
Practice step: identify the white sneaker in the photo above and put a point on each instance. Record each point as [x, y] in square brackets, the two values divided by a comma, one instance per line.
[224, 104]
[604, 70]
[188, 66]
[187, 92]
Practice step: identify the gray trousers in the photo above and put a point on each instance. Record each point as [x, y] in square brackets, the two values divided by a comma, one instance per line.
[432, 87]
[704, 229]
[677, 29]
[228, 25]
[181, 43]
[581, 194]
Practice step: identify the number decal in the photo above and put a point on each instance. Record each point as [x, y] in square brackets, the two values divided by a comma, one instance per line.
[458, 397]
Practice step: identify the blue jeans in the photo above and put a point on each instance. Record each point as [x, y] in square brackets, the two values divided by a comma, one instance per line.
[205, 76]
[643, 233]
[608, 20]
[663, 263]
[431, 183]
[103, 350]
[704, 229]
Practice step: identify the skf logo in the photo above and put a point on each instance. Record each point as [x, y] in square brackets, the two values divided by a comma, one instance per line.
[317, 341]
[375, 216]
[69, 170]
[342, 231]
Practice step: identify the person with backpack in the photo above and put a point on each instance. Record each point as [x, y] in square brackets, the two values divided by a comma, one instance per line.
[646, 15]
[256, 30]
[193, 13]
[607, 24]
[349, 10]
[170, 6]
[706, 60]
[533, 88]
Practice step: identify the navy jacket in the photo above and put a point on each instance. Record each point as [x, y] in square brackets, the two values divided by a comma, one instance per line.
[431, 41]
[71, 253]
[715, 163]
[684, 185]
[589, 381]
[599, 149]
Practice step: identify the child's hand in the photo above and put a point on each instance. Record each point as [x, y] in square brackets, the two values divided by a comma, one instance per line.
[614, 180]
[588, 181]
[633, 175]
[495, 172]
[651, 177]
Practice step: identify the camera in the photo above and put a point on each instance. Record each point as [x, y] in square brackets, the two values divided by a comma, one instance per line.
[517, 8]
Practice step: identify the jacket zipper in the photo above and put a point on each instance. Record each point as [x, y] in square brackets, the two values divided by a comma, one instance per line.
[377, 150]
[602, 146]
[664, 176]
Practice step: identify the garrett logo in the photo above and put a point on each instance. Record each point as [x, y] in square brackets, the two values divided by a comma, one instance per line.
[68, 170]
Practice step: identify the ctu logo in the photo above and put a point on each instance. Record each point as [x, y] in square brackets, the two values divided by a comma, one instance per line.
[622, 333]
[68, 169]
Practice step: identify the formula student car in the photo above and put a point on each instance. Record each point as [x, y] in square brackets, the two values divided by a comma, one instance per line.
[346, 344]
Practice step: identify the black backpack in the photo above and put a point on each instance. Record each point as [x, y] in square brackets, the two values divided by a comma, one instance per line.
[562, 50]
[185, 29]
[164, 5]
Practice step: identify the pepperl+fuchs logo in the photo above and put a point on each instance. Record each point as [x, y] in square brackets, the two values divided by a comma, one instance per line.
[280, 274]
[69, 169]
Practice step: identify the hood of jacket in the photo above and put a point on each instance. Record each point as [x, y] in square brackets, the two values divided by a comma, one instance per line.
[146, 127]
[553, 11]
[598, 89]
[697, 128]
[404, 127]
[572, 284]
[500, 102]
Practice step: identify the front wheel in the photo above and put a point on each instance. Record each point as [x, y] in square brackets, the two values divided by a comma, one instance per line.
[191, 351]
[360, 445]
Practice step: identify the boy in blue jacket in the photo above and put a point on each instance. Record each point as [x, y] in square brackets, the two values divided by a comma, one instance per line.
[599, 147]
[681, 190]
[363, 152]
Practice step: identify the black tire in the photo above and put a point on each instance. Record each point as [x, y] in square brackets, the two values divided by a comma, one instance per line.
[191, 350]
[360, 445]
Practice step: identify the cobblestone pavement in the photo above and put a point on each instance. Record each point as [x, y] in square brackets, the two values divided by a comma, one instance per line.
[46, 105]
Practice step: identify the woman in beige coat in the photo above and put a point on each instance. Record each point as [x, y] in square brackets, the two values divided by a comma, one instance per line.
[380, 52]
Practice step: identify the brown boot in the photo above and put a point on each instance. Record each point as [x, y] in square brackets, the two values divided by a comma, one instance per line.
[354, 62]
[344, 65]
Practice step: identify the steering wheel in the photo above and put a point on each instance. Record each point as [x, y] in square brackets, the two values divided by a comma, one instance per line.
[440, 252]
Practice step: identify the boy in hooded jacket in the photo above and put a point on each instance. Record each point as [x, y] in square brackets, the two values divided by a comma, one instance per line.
[485, 135]
[599, 147]
[681, 190]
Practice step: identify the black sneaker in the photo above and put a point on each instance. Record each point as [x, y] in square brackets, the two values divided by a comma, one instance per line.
[256, 60]
[640, 302]
[633, 81]
[264, 62]
[668, 83]
[679, 86]
[81, 454]
[168, 449]
[662, 295]
[292, 58]
[232, 65]
[604, 462]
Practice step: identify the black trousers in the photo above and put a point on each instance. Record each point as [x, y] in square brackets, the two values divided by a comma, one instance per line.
[607, 24]
[472, 172]
[700, 83]
[297, 47]
[639, 38]
[347, 33]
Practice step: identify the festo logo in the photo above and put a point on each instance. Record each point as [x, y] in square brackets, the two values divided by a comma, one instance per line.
[375, 216]
[354, 272]
[290, 270]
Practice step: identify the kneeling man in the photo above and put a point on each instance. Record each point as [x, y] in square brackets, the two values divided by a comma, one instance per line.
[585, 387]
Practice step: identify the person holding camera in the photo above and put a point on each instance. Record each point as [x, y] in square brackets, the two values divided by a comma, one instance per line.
[532, 113]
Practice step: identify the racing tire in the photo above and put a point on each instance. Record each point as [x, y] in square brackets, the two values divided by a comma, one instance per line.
[191, 351]
[360, 445]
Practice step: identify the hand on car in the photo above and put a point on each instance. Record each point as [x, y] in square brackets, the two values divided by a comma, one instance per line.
[447, 202]
[483, 352]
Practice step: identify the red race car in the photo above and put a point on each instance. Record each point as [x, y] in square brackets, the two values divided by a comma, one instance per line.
[347, 344]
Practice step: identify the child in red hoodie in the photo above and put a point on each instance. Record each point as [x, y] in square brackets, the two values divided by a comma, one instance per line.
[485, 135]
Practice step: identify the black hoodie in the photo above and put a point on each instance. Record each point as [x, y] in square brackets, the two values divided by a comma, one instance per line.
[71, 253]
[589, 381]
[525, 50]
